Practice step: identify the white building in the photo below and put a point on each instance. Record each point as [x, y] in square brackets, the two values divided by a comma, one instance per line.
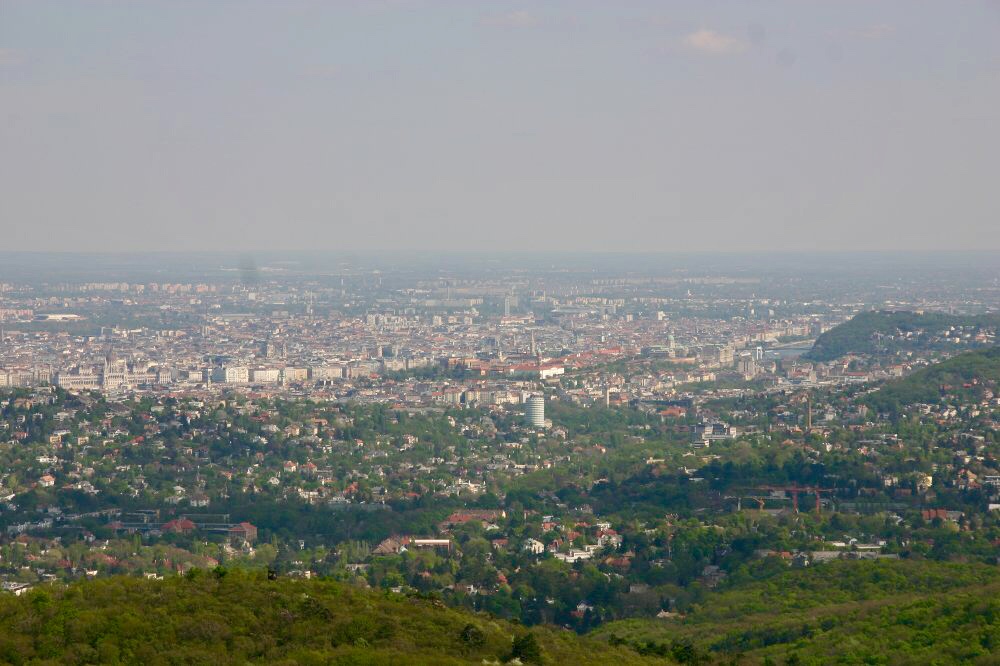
[534, 411]
[231, 374]
[534, 546]
[265, 375]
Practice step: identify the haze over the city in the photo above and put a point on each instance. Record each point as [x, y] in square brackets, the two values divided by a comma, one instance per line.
[456, 126]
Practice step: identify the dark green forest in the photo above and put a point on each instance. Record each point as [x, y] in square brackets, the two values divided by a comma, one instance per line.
[844, 612]
[872, 612]
[239, 617]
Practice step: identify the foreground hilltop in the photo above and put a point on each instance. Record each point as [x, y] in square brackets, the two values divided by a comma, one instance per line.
[236, 618]
[897, 611]
[843, 612]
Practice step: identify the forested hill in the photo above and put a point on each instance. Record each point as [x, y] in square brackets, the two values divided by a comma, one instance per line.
[843, 612]
[237, 618]
[965, 377]
[882, 332]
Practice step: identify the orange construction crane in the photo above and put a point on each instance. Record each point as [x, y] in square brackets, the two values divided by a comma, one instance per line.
[795, 490]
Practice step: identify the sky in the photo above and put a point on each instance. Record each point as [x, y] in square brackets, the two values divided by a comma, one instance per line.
[664, 126]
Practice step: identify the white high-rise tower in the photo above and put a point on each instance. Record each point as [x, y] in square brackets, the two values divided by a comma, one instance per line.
[534, 411]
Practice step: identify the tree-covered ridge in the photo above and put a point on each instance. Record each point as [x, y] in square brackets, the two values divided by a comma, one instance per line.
[238, 617]
[881, 332]
[962, 378]
[847, 612]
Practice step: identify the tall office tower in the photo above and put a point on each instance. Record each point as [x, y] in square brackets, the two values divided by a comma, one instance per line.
[506, 306]
[534, 411]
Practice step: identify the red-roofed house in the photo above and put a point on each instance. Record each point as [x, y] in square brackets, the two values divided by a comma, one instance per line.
[243, 533]
[179, 526]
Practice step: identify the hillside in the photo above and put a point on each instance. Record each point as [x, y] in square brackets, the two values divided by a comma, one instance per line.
[965, 376]
[841, 612]
[880, 332]
[238, 618]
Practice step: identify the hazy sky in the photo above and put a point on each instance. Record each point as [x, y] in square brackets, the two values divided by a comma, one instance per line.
[666, 125]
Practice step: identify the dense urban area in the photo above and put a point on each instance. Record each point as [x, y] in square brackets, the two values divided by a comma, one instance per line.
[685, 461]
